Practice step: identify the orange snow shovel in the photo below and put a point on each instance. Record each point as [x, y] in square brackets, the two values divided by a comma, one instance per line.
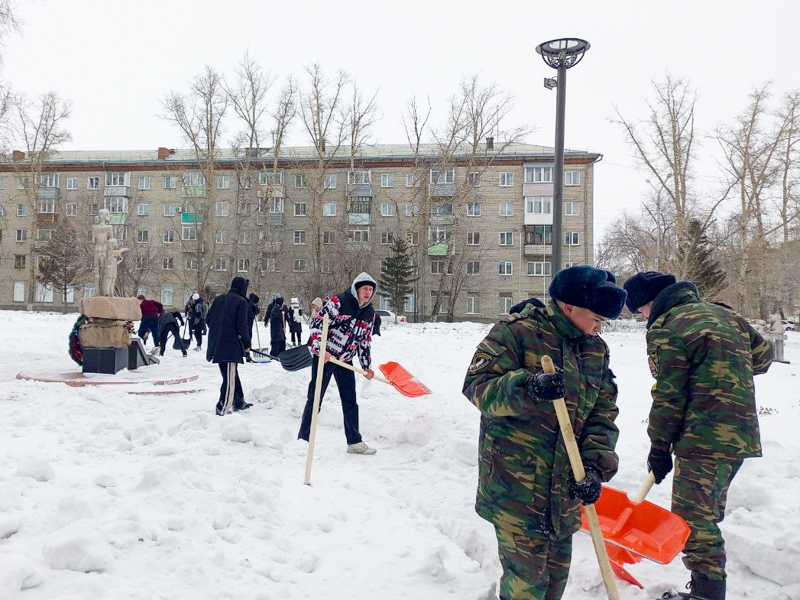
[403, 381]
[634, 529]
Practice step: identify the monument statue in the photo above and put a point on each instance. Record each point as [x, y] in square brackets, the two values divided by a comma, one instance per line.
[102, 233]
[112, 260]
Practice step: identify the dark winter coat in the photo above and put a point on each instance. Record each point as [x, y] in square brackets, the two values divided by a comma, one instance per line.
[295, 326]
[196, 312]
[268, 312]
[166, 319]
[228, 334]
[151, 308]
[252, 300]
[277, 328]
[350, 325]
[703, 357]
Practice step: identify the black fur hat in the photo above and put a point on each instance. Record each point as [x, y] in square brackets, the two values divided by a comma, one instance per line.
[587, 287]
[644, 287]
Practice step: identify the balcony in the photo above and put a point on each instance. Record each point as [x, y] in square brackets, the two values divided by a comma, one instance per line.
[118, 218]
[40, 244]
[538, 249]
[360, 189]
[359, 219]
[272, 247]
[538, 218]
[191, 217]
[48, 193]
[439, 219]
[193, 191]
[117, 191]
[275, 190]
[537, 189]
[275, 219]
[440, 249]
[359, 246]
[441, 189]
[192, 246]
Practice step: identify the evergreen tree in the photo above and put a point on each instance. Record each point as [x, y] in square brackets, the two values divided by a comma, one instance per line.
[398, 275]
[702, 269]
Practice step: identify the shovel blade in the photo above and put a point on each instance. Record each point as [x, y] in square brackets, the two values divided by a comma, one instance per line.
[645, 529]
[403, 381]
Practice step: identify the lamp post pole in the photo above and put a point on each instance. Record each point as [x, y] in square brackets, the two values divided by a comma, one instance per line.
[560, 55]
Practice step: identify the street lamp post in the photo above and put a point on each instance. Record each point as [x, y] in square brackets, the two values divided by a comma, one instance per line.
[561, 55]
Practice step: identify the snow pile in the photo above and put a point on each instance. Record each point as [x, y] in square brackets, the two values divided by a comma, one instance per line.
[109, 495]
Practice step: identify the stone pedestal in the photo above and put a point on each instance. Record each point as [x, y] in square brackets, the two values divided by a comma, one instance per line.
[777, 340]
[105, 360]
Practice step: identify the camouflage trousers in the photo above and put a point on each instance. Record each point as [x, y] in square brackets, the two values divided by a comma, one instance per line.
[534, 567]
[699, 492]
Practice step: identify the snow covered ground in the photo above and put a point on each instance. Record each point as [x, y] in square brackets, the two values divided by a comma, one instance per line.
[116, 496]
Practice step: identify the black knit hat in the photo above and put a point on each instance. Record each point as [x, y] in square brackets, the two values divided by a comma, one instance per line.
[644, 287]
[590, 288]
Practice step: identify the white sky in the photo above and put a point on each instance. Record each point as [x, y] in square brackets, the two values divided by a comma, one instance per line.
[116, 60]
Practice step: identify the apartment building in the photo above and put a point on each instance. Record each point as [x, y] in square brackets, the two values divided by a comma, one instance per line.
[479, 222]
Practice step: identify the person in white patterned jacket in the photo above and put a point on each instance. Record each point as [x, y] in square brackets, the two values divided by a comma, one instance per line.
[349, 334]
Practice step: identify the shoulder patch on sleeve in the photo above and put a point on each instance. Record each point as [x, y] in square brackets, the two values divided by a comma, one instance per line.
[480, 362]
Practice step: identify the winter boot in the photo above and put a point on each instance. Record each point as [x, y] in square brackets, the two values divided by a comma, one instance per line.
[701, 588]
[242, 405]
[360, 448]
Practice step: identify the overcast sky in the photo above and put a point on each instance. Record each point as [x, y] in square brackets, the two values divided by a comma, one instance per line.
[116, 60]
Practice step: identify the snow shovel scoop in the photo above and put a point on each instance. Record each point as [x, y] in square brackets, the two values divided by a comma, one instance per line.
[293, 359]
[578, 471]
[403, 381]
[636, 529]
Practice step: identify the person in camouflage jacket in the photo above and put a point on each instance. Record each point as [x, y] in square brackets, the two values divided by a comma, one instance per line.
[525, 486]
[703, 357]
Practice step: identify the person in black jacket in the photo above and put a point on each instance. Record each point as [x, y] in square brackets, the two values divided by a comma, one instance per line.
[228, 341]
[166, 326]
[277, 328]
[253, 301]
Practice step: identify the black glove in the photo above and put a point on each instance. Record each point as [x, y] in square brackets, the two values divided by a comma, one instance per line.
[545, 386]
[588, 489]
[659, 462]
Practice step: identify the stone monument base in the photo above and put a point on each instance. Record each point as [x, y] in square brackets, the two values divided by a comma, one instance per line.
[105, 360]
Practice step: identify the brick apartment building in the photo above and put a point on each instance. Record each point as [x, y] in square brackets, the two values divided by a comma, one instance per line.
[479, 222]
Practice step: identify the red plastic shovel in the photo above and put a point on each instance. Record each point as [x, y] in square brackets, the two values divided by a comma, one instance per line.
[403, 381]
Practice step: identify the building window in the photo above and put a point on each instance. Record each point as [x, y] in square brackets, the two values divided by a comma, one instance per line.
[412, 209]
[220, 263]
[506, 238]
[245, 209]
[221, 237]
[93, 183]
[94, 208]
[572, 209]
[223, 182]
[541, 234]
[19, 291]
[22, 210]
[168, 263]
[473, 209]
[22, 235]
[329, 209]
[142, 236]
[572, 178]
[538, 205]
[268, 266]
[300, 209]
[2, 183]
[299, 265]
[473, 304]
[442, 210]
[116, 178]
[387, 209]
[299, 238]
[23, 183]
[169, 209]
[387, 180]
[44, 235]
[188, 232]
[440, 267]
[474, 238]
[170, 182]
[447, 175]
[329, 182]
[141, 262]
[506, 209]
[223, 209]
[473, 267]
[572, 238]
[72, 183]
[190, 263]
[444, 302]
[2, 209]
[276, 206]
[44, 293]
[300, 181]
[117, 205]
[121, 232]
[328, 237]
[72, 209]
[358, 235]
[539, 269]
[475, 179]
[538, 174]
[243, 265]
[245, 237]
[506, 179]
[142, 210]
[360, 177]
[169, 236]
[270, 177]
[19, 261]
[412, 237]
[506, 267]
[387, 237]
[49, 180]
[166, 295]
[438, 233]
[505, 302]
[47, 206]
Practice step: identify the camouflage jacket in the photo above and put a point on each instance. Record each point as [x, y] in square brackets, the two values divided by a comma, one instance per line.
[524, 467]
[703, 356]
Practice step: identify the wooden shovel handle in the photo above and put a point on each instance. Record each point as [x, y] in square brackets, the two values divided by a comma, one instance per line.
[578, 471]
[644, 489]
[350, 367]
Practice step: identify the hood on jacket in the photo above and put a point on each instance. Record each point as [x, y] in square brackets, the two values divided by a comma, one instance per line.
[278, 301]
[254, 298]
[363, 278]
[239, 285]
